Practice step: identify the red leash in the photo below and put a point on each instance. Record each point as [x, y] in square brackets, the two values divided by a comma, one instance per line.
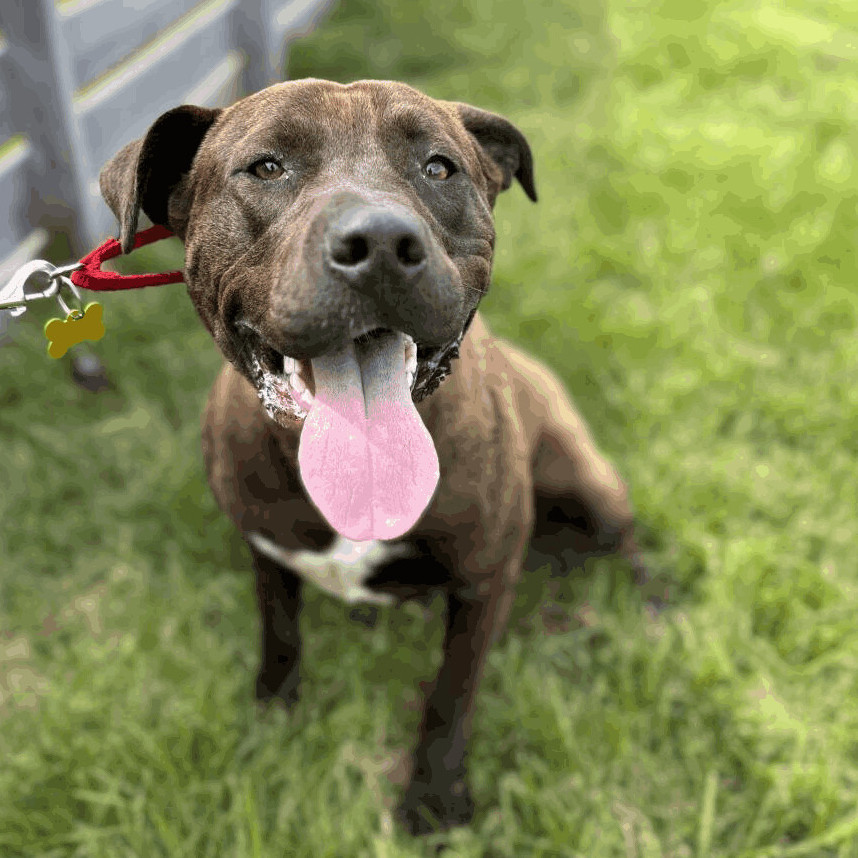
[90, 276]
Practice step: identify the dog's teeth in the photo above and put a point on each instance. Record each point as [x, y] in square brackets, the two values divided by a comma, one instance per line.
[300, 387]
[411, 356]
[297, 382]
[289, 364]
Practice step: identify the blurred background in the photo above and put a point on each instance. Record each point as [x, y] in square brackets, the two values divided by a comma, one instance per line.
[689, 271]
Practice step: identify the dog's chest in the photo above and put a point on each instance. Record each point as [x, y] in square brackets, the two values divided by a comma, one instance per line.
[341, 570]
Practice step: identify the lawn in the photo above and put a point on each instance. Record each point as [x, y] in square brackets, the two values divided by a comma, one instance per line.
[690, 272]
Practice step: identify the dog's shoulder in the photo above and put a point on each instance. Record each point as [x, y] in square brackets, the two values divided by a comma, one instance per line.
[474, 416]
[517, 383]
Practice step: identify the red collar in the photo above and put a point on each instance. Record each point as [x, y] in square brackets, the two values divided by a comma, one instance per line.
[90, 276]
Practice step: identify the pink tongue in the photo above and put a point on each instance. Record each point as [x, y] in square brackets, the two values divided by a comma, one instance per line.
[366, 459]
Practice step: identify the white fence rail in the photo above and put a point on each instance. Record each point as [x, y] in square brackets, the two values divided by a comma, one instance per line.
[79, 80]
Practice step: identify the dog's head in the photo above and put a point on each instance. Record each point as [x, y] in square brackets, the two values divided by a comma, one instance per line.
[337, 238]
[313, 213]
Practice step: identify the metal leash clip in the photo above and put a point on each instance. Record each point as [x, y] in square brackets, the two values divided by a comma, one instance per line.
[29, 284]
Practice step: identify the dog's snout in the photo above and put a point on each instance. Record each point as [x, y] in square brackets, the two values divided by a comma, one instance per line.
[366, 240]
[383, 258]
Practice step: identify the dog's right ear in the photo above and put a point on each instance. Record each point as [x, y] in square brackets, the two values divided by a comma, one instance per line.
[146, 172]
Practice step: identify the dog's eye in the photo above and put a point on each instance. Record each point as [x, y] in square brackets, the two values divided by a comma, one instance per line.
[439, 168]
[267, 169]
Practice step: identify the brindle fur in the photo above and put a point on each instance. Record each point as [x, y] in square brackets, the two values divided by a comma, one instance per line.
[516, 460]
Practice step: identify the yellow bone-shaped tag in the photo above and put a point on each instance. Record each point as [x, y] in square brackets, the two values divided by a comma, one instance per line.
[79, 326]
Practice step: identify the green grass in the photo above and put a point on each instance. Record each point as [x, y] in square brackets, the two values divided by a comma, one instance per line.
[690, 272]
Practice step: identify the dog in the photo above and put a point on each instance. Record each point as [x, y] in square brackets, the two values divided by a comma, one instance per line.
[367, 432]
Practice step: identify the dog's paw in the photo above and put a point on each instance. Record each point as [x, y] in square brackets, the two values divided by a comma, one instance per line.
[285, 692]
[426, 809]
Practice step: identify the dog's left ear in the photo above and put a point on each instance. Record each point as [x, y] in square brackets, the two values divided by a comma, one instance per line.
[145, 173]
[505, 145]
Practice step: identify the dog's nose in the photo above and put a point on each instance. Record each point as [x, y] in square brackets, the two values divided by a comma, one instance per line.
[365, 241]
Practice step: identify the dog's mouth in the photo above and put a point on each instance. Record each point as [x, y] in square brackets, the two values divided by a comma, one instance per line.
[366, 459]
[294, 383]
[286, 386]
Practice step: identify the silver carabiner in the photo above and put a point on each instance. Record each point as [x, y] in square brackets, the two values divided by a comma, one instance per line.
[18, 292]
[15, 296]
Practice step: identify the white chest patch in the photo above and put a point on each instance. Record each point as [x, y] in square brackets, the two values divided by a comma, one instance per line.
[341, 569]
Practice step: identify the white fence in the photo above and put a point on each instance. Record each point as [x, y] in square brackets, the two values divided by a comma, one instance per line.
[79, 80]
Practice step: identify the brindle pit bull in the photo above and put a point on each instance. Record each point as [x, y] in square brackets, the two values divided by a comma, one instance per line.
[338, 240]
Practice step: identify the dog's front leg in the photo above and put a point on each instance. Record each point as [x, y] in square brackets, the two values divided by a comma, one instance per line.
[438, 796]
[278, 592]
